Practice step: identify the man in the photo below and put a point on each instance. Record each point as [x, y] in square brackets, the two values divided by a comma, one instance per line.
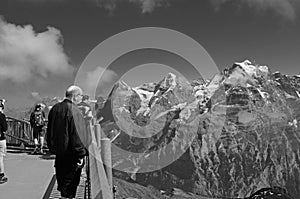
[3, 128]
[37, 122]
[65, 126]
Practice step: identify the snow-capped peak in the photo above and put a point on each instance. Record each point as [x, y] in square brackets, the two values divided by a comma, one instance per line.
[171, 77]
[248, 67]
[170, 81]
[245, 73]
[240, 74]
[253, 70]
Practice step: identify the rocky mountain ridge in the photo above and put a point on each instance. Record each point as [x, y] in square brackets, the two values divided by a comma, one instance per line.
[227, 137]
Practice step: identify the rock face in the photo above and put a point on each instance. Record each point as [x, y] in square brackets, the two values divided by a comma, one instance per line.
[227, 137]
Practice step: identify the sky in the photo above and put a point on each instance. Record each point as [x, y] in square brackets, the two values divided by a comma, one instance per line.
[44, 43]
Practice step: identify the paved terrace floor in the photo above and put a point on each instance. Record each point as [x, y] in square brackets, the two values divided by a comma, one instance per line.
[28, 175]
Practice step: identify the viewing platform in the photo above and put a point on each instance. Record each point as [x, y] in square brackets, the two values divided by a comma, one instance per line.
[31, 176]
[28, 175]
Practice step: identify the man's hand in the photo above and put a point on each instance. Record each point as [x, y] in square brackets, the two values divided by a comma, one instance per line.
[80, 163]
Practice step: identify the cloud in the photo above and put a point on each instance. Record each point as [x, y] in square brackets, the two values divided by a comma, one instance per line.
[26, 55]
[42, 1]
[107, 80]
[36, 96]
[284, 8]
[147, 6]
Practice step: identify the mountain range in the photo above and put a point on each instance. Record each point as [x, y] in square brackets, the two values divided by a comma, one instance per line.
[227, 137]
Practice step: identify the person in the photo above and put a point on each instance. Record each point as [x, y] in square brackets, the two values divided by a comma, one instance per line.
[65, 127]
[86, 110]
[37, 122]
[3, 128]
[85, 107]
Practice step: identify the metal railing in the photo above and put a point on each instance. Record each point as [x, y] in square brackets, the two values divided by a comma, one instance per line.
[18, 132]
[99, 183]
[100, 165]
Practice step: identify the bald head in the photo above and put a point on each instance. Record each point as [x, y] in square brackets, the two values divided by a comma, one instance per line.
[74, 93]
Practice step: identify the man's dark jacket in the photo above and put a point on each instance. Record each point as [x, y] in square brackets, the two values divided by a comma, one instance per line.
[65, 129]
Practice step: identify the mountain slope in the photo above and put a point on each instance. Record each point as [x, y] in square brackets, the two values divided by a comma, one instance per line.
[227, 137]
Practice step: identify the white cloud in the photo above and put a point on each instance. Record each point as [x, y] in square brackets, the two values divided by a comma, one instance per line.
[284, 8]
[26, 55]
[36, 96]
[43, 1]
[107, 80]
[107, 76]
[147, 6]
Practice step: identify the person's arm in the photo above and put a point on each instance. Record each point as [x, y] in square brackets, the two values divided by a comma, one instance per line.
[44, 115]
[31, 119]
[49, 130]
[44, 119]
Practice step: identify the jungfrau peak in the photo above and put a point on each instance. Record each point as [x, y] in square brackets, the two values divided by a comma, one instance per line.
[244, 123]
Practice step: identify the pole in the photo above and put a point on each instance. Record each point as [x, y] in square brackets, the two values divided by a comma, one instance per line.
[106, 158]
[98, 134]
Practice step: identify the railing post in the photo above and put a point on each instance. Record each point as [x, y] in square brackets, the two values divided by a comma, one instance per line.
[104, 145]
[97, 128]
[101, 185]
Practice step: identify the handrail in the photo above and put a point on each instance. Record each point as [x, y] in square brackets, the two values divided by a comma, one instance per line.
[19, 120]
[100, 174]
[17, 138]
[18, 131]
